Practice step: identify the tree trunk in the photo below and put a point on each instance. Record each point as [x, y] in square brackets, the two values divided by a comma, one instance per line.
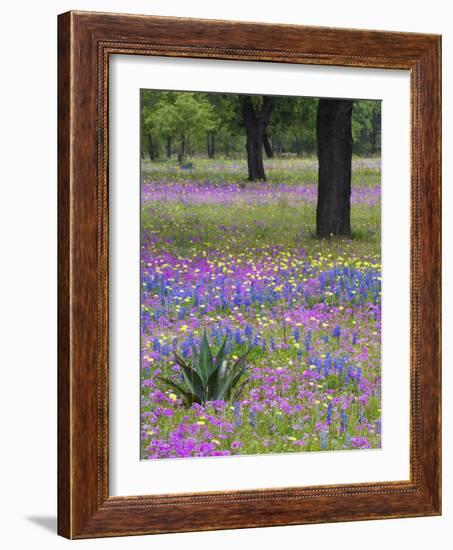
[211, 144]
[334, 139]
[268, 147]
[182, 150]
[298, 144]
[255, 157]
[255, 125]
[374, 132]
[151, 147]
[168, 147]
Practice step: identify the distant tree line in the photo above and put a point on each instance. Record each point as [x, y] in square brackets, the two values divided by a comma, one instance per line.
[178, 125]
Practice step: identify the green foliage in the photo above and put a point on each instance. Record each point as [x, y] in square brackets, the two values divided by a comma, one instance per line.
[210, 378]
[293, 125]
[366, 127]
[179, 117]
[210, 124]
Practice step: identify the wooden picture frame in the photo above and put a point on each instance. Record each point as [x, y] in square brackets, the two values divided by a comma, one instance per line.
[85, 42]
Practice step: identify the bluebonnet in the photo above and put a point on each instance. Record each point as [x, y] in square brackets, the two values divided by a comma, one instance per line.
[344, 421]
[272, 343]
[336, 331]
[166, 350]
[156, 344]
[253, 419]
[358, 375]
[307, 340]
[237, 414]
[237, 336]
[329, 414]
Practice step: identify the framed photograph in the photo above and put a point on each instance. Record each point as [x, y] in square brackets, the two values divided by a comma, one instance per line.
[249, 275]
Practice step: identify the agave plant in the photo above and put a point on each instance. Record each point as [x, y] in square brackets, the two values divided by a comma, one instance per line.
[208, 378]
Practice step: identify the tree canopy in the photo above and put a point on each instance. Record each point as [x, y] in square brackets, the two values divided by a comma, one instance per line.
[182, 124]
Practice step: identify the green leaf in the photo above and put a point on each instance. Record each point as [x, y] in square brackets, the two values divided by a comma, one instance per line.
[211, 385]
[177, 387]
[205, 359]
[238, 376]
[240, 389]
[242, 358]
[194, 355]
[180, 360]
[194, 382]
[220, 355]
[219, 378]
[225, 387]
[208, 378]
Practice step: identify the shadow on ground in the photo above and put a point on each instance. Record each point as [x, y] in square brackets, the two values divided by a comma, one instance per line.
[49, 523]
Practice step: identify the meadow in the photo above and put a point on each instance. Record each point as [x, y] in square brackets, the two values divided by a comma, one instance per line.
[240, 261]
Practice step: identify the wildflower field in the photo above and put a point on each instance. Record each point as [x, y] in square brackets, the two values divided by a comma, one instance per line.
[239, 262]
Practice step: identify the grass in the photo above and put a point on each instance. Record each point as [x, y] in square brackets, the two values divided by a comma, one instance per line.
[366, 172]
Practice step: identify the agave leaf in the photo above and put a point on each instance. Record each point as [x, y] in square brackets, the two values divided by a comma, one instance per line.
[220, 355]
[194, 383]
[177, 387]
[194, 355]
[239, 368]
[234, 381]
[185, 365]
[212, 378]
[242, 358]
[225, 386]
[180, 360]
[205, 359]
[238, 375]
[211, 385]
[240, 389]
[208, 378]
[220, 376]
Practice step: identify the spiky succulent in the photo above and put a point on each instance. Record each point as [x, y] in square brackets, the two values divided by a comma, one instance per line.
[209, 378]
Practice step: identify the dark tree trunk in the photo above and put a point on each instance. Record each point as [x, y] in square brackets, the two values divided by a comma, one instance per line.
[268, 147]
[298, 144]
[151, 147]
[334, 139]
[255, 157]
[211, 144]
[255, 125]
[375, 129]
[182, 150]
[168, 146]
